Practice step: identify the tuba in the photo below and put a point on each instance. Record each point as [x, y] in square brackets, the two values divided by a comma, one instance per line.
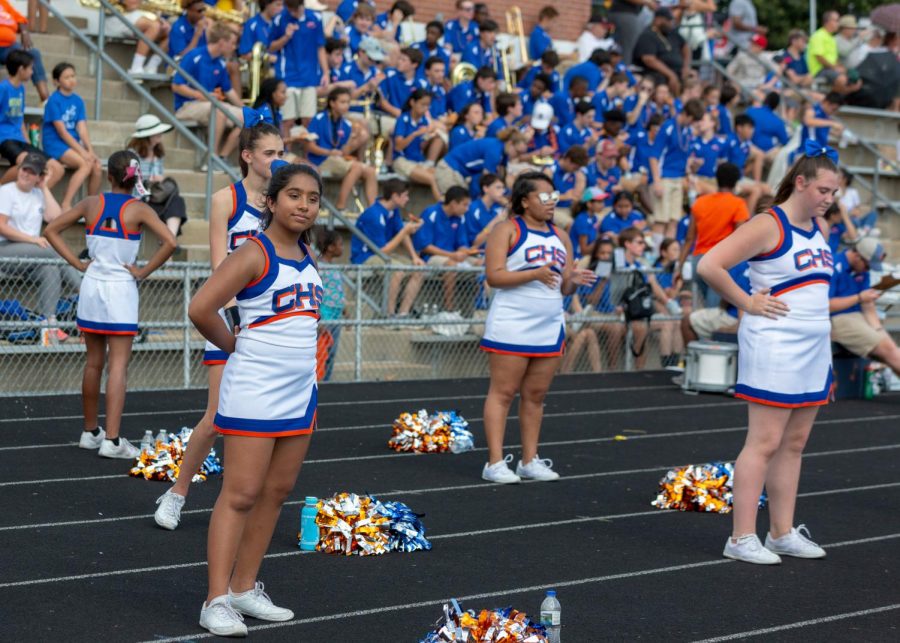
[462, 72]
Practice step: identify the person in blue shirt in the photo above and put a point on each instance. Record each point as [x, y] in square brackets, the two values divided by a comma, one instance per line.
[470, 127]
[707, 150]
[335, 145]
[442, 240]
[416, 143]
[467, 161]
[854, 320]
[362, 76]
[189, 31]
[540, 41]
[537, 92]
[509, 113]
[743, 154]
[207, 66]
[65, 135]
[483, 52]
[586, 226]
[298, 38]
[547, 64]
[435, 75]
[605, 172]
[478, 90]
[570, 179]
[484, 213]
[19, 66]
[259, 27]
[399, 83]
[796, 69]
[640, 142]
[347, 7]
[431, 47]
[817, 121]
[611, 98]
[463, 30]
[668, 166]
[581, 130]
[272, 97]
[770, 133]
[591, 70]
[623, 216]
[360, 25]
[387, 24]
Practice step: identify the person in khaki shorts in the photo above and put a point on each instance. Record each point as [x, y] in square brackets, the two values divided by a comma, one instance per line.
[207, 65]
[854, 322]
[668, 166]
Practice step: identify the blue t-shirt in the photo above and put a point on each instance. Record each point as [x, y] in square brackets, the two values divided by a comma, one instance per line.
[614, 224]
[457, 37]
[352, 36]
[466, 93]
[380, 225]
[333, 134]
[533, 71]
[181, 34]
[587, 70]
[12, 111]
[846, 283]
[441, 230]
[604, 303]
[681, 231]
[737, 152]
[405, 126]
[437, 52]
[725, 121]
[563, 108]
[475, 54]
[671, 148]
[609, 179]
[382, 20]
[396, 88]
[68, 109]
[819, 134]
[835, 234]
[571, 135]
[478, 216]
[257, 29]
[641, 150]
[438, 98]
[711, 152]
[298, 60]
[208, 71]
[497, 125]
[459, 135]
[352, 71]
[769, 129]
[347, 7]
[584, 225]
[603, 103]
[796, 65]
[539, 42]
[564, 181]
[472, 158]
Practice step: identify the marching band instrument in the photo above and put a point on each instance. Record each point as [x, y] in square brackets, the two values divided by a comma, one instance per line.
[462, 72]
[516, 26]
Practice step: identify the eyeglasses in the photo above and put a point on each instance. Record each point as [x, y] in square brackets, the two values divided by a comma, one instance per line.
[548, 197]
[467, 8]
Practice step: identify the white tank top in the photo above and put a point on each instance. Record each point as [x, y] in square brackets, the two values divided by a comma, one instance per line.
[244, 220]
[798, 270]
[282, 306]
[110, 244]
[534, 249]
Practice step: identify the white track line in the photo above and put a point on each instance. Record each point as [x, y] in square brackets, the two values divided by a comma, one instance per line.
[404, 400]
[504, 592]
[463, 534]
[799, 624]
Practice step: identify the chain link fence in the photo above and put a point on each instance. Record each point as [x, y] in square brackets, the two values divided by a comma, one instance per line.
[397, 323]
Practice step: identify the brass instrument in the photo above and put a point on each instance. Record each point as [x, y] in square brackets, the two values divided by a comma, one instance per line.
[507, 72]
[218, 15]
[462, 72]
[516, 26]
[259, 69]
[159, 7]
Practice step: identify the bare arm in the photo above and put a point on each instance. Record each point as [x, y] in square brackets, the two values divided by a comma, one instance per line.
[81, 128]
[51, 205]
[54, 230]
[148, 218]
[689, 240]
[12, 234]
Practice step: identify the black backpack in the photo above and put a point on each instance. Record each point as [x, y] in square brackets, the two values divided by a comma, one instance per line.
[637, 298]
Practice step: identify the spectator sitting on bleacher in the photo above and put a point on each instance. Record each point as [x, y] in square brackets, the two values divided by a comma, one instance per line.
[851, 202]
[854, 320]
[822, 56]
[796, 69]
[346, 8]
[545, 142]
[721, 318]
[463, 30]
[383, 224]
[148, 23]
[585, 227]
[398, 84]
[593, 70]
[470, 125]
[416, 141]
[334, 56]
[464, 163]
[478, 90]
[841, 229]
[537, 92]
[581, 130]
[484, 213]
[547, 64]
[337, 147]
[259, 27]
[272, 97]
[653, 97]
[189, 31]
[594, 36]
[741, 152]
[431, 47]
[604, 172]
[623, 216]
[541, 40]
[207, 66]
[13, 145]
[362, 75]
[65, 135]
[442, 239]
[769, 132]
[847, 39]
[707, 150]
[387, 27]
[483, 52]
[745, 68]
[298, 38]
[146, 141]
[359, 27]
[669, 279]
[728, 98]
[434, 81]
[570, 179]
[11, 24]
[612, 97]
[661, 49]
[24, 205]
[879, 72]
[509, 113]
[817, 122]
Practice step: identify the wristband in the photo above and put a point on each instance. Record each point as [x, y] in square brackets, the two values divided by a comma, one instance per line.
[233, 315]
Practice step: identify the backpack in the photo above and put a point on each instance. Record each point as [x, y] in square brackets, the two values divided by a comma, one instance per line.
[637, 298]
[11, 310]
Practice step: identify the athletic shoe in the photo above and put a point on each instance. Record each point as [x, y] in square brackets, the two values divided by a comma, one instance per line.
[125, 450]
[537, 469]
[168, 514]
[750, 550]
[90, 441]
[256, 603]
[795, 544]
[500, 472]
[220, 618]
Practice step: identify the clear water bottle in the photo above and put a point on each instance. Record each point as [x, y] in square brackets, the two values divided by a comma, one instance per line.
[147, 443]
[162, 437]
[551, 615]
[309, 530]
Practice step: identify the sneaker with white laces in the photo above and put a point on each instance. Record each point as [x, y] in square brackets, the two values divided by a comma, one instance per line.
[537, 469]
[750, 550]
[125, 450]
[90, 441]
[256, 603]
[795, 544]
[168, 514]
[500, 472]
[220, 618]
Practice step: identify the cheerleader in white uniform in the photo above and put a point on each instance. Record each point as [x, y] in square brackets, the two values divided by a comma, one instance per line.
[233, 218]
[784, 359]
[267, 398]
[107, 315]
[527, 262]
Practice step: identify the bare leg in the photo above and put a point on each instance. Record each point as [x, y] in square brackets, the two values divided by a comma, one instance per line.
[507, 372]
[349, 180]
[535, 385]
[116, 382]
[639, 339]
[174, 225]
[783, 476]
[82, 169]
[95, 179]
[888, 353]
[203, 436]
[413, 286]
[231, 140]
[90, 382]
[394, 291]
[370, 179]
[449, 287]
[425, 176]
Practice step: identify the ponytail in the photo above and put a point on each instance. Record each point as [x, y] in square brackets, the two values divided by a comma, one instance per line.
[806, 166]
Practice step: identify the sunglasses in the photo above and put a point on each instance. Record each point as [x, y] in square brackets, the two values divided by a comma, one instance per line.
[548, 197]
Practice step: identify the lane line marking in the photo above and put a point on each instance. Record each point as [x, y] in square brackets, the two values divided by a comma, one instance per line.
[464, 534]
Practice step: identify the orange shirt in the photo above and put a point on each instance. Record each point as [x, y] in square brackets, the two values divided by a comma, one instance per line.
[10, 19]
[715, 217]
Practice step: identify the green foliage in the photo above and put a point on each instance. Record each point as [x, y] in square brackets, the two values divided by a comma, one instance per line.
[782, 16]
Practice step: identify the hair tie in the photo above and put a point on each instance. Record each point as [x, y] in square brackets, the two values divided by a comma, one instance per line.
[134, 171]
[813, 148]
[253, 117]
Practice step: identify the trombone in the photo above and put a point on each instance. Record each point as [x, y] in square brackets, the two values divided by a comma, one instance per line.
[259, 69]
[516, 26]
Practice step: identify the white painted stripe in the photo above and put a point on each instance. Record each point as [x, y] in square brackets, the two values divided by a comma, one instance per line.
[504, 592]
[404, 400]
[463, 534]
[799, 624]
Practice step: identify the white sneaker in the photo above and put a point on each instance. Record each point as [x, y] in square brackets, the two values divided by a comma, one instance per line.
[256, 603]
[220, 618]
[168, 514]
[90, 441]
[750, 550]
[795, 544]
[500, 472]
[125, 450]
[537, 469]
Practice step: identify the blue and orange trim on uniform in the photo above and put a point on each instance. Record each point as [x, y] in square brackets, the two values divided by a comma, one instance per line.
[271, 428]
[214, 358]
[523, 350]
[787, 400]
[521, 234]
[98, 229]
[103, 328]
[801, 282]
[784, 241]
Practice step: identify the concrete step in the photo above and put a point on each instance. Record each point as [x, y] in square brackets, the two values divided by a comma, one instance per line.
[874, 124]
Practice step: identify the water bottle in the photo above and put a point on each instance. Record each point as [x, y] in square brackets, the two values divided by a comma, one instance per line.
[309, 530]
[147, 443]
[162, 437]
[34, 135]
[551, 616]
